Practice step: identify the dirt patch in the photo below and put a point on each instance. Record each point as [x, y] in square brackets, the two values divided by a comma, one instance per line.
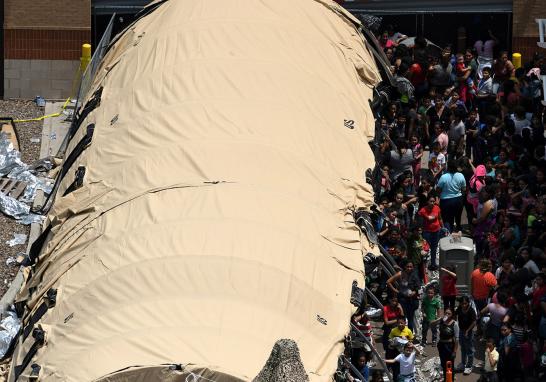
[30, 135]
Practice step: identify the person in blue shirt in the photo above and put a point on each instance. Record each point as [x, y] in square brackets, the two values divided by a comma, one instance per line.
[451, 187]
[361, 364]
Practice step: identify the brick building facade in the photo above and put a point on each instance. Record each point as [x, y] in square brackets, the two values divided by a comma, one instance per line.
[524, 28]
[42, 46]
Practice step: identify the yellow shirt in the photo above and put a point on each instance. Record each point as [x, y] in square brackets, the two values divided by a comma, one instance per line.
[406, 332]
[495, 355]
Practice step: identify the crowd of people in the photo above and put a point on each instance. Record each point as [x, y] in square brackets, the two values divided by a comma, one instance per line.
[462, 150]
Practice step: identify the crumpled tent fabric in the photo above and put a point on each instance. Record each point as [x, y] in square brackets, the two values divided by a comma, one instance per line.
[215, 216]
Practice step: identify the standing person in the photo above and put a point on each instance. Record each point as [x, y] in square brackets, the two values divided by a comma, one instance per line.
[466, 317]
[417, 151]
[485, 94]
[472, 128]
[509, 366]
[431, 308]
[539, 291]
[497, 311]
[432, 224]
[476, 183]
[503, 68]
[449, 286]
[504, 271]
[407, 363]
[391, 312]
[408, 286]
[401, 160]
[436, 161]
[449, 334]
[456, 134]
[403, 332]
[418, 248]
[482, 281]
[451, 187]
[487, 217]
[491, 361]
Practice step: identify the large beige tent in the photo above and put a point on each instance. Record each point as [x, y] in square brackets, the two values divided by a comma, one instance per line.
[215, 216]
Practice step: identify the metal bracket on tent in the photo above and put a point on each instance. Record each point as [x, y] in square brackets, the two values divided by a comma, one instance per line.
[39, 340]
[50, 301]
[364, 222]
[91, 105]
[80, 147]
[357, 294]
[36, 248]
[35, 373]
[67, 164]
[78, 181]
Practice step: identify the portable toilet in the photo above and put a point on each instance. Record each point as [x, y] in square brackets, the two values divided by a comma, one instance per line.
[458, 251]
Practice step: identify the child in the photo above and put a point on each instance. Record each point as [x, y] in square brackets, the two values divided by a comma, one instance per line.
[437, 160]
[491, 361]
[462, 70]
[407, 363]
[361, 364]
[449, 288]
[431, 308]
[401, 331]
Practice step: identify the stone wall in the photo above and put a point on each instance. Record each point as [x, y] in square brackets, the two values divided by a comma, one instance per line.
[51, 79]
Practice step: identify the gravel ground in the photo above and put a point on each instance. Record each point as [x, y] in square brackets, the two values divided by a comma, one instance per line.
[18, 109]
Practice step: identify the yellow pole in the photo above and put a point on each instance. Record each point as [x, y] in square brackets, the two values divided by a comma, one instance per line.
[516, 60]
[86, 57]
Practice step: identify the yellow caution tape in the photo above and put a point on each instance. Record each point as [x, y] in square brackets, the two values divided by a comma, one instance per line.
[85, 59]
[44, 116]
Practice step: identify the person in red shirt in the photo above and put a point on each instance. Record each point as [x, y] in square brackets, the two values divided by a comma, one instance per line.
[482, 281]
[449, 286]
[391, 312]
[432, 224]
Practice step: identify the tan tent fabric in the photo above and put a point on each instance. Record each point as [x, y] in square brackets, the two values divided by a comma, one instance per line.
[216, 212]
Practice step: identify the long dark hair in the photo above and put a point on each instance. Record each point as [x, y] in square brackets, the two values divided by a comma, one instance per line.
[509, 86]
[452, 166]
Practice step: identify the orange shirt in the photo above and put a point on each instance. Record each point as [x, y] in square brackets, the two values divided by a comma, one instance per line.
[482, 284]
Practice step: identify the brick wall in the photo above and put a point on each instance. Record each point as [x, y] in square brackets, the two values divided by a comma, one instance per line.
[47, 14]
[46, 29]
[42, 46]
[525, 29]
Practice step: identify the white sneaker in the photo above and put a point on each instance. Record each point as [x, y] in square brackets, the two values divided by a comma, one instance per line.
[467, 370]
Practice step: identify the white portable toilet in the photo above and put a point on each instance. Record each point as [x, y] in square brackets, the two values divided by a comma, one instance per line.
[458, 251]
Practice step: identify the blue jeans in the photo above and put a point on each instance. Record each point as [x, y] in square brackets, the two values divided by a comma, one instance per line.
[432, 239]
[467, 349]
